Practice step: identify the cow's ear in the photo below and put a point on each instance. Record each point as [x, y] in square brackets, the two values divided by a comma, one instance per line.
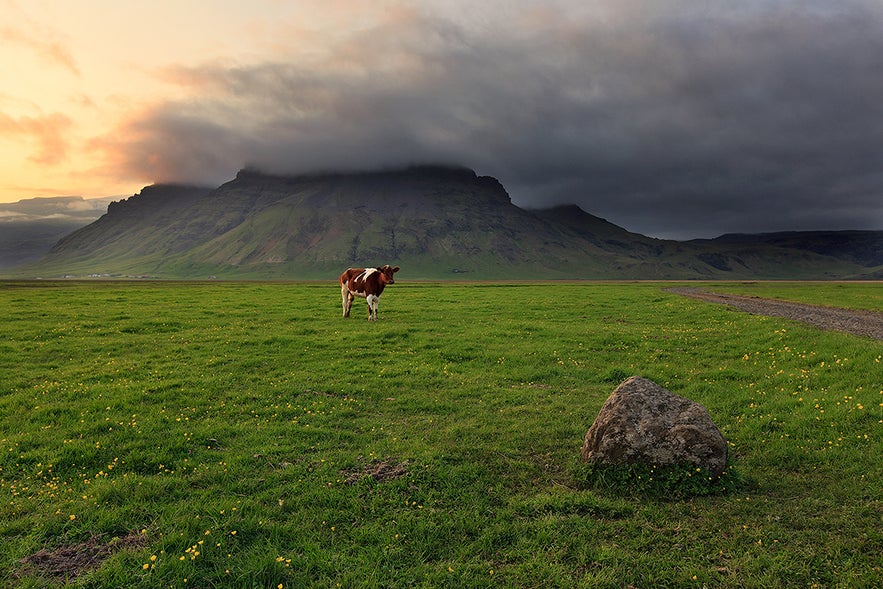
[396, 269]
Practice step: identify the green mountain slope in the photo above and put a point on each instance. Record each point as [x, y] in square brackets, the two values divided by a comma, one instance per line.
[434, 222]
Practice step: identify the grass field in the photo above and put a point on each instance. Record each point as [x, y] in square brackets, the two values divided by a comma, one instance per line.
[855, 295]
[222, 434]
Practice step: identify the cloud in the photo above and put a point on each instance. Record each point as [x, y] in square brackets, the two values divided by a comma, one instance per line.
[47, 131]
[61, 208]
[51, 51]
[668, 117]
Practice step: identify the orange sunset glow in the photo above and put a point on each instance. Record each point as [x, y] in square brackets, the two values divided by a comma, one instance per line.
[78, 77]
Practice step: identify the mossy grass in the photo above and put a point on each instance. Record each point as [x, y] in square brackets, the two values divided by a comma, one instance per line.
[235, 426]
[680, 481]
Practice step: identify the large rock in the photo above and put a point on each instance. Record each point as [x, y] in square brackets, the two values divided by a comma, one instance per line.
[641, 422]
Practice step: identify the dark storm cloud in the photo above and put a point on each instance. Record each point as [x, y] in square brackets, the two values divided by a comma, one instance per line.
[670, 118]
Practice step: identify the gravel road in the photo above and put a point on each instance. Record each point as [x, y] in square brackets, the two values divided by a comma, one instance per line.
[864, 323]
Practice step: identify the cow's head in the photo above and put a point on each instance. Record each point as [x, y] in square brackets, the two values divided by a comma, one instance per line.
[386, 273]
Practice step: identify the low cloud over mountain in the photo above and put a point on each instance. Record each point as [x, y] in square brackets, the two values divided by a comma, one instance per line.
[28, 228]
[671, 118]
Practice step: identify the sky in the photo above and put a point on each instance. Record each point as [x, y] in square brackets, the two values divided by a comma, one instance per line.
[672, 118]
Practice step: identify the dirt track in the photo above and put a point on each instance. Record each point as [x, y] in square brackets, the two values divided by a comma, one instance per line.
[864, 323]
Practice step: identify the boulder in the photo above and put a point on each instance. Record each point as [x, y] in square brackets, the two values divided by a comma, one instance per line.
[641, 422]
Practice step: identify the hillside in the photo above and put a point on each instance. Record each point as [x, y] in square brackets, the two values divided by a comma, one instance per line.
[862, 247]
[434, 222]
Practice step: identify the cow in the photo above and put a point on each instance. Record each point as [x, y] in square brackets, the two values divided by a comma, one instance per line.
[367, 283]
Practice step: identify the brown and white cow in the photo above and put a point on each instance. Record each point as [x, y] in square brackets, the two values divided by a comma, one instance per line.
[367, 283]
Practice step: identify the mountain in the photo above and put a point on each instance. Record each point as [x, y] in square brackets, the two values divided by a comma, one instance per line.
[29, 227]
[435, 222]
[862, 247]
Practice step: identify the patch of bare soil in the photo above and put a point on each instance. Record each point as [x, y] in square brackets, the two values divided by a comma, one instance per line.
[379, 470]
[69, 561]
[857, 322]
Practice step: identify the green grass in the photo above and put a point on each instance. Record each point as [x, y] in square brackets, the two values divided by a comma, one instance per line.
[851, 295]
[221, 421]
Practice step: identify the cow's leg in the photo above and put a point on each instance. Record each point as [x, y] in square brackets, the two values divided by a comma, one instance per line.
[347, 300]
[372, 307]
